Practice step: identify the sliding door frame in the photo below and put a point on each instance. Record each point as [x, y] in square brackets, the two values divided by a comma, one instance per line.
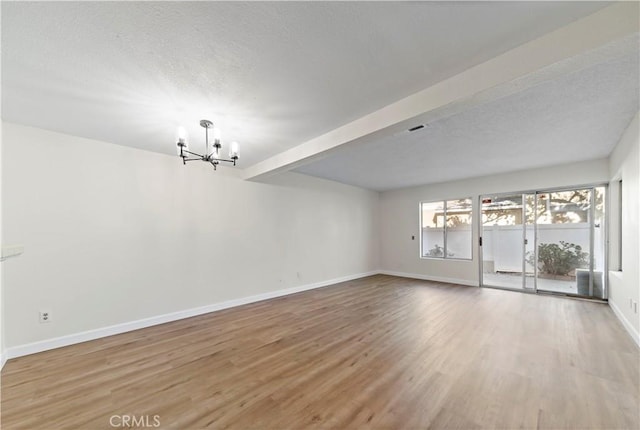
[536, 193]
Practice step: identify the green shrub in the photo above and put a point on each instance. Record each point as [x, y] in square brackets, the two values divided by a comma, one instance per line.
[559, 259]
[438, 251]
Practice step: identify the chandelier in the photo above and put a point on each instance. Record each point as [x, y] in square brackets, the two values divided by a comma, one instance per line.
[212, 150]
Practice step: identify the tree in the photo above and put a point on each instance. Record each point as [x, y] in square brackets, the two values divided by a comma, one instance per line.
[555, 208]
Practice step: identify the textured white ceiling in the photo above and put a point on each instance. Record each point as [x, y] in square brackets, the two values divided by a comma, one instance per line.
[272, 75]
[576, 116]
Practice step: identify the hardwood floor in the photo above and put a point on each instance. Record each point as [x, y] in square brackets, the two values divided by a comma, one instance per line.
[379, 352]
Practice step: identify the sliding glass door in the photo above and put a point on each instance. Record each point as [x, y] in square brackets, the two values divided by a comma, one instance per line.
[547, 241]
[507, 230]
[570, 238]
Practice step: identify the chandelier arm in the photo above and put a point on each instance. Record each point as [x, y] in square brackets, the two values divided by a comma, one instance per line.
[192, 153]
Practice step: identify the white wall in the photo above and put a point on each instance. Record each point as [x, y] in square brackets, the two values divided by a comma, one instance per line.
[3, 355]
[114, 234]
[399, 216]
[624, 286]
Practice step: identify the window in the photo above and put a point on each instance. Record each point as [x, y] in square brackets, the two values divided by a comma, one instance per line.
[446, 229]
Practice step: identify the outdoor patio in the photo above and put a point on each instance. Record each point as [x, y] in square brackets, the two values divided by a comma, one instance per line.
[514, 280]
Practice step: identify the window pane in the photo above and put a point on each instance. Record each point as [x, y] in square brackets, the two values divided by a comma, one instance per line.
[599, 243]
[503, 211]
[433, 229]
[563, 241]
[459, 228]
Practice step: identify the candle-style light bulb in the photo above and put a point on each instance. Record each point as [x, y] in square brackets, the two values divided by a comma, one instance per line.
[181, 135]
[181, 141]
[216, 134]
[234, 150]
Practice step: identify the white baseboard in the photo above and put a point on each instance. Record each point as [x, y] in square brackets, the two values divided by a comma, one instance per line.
[58, 342]
[625, 323]
[429, 278]
[3, 359]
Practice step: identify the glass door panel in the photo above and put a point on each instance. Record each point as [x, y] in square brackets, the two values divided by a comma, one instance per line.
[503, 241]
[599, 244]
[563, 237]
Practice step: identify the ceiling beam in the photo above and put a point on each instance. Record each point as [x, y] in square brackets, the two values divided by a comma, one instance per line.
[572, 47]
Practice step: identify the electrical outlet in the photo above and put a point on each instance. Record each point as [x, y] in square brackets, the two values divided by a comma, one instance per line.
[45, 316]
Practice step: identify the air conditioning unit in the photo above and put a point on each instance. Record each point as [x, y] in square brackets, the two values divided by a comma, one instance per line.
[582, 282]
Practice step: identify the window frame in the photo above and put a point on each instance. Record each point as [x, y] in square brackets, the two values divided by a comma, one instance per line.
[619, 221]
[444, 230]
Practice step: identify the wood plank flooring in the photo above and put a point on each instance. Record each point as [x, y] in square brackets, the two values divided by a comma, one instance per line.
[379, 352]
